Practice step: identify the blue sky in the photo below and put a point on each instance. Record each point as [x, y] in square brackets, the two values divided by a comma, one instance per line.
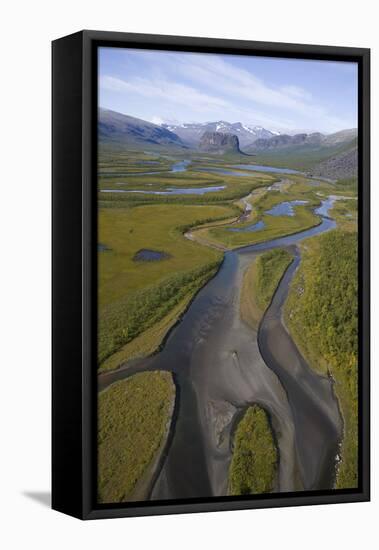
[276, 93]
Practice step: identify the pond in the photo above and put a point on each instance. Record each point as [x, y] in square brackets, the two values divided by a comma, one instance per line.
[285, 208]
[248, 228]
[262, 168]
[282, 209]
[148, 255]
[224, 172]
[179, 166]
[171, 190]
[182, 166]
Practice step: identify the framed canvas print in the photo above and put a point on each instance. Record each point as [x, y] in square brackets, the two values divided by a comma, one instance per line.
[210, 274]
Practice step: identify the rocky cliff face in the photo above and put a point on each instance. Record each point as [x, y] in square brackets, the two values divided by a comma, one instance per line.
[220, 143]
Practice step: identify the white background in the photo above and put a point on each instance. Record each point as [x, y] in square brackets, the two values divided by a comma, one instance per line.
[27, 29]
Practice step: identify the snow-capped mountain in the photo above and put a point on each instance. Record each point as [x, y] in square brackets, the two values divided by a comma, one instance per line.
[191, 133]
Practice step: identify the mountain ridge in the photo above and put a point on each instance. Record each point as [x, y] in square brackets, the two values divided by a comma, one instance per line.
[340, 166]
[127, 130]
[333, 155]
[303, 139]
[191, 133]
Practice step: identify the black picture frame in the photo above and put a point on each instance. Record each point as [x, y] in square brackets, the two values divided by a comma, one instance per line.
[74, 386]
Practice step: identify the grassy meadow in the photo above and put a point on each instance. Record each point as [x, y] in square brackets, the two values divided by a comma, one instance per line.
[139, 300]
[233, 188]
[117, 159]
[134, 418]
[294, 188]
[157, 227]
[260, 281]
[135, 295]
[346, 214]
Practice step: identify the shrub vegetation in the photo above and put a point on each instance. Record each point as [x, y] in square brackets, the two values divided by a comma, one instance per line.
[124, 320]
[259, 283]
[133, 421]
[254, 462]
[322, 314]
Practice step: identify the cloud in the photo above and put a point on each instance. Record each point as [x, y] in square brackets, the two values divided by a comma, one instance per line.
[202, 87]
[243, 86]
[195, 101]
[167, 90]
[217, 73]
[296, 92]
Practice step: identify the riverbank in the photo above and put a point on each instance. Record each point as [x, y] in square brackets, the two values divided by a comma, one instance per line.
[151, 340]
[134, 296]
[327, 335]
[219, 368]
[317, 419]
[134, 419]
[144, 486]
[260, 281]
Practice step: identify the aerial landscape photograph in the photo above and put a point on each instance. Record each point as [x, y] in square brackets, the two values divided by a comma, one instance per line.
[227, 253]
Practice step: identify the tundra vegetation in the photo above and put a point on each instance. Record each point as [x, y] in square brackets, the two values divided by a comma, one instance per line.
[139, 302]
[274, 226]
[260, 281]
[135, 296]
[322, 315]
[254, 462]
[134, 418]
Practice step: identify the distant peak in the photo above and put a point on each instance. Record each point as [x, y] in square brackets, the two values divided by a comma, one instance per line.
[219, 142]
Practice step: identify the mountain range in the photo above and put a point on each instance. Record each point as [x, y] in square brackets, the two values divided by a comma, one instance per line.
[333, 155]
[315, 139]
[192, 133]
[130, 131]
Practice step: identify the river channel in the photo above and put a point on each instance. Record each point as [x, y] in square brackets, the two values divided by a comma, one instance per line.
[221, 366]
